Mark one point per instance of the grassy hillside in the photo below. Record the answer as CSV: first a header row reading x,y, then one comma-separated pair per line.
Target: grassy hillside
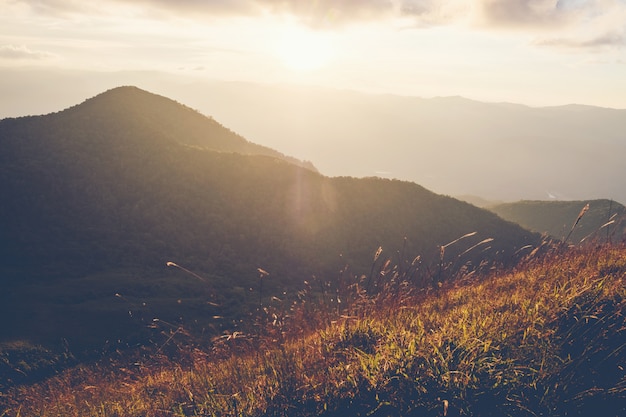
x,y
546,338
101,196
605,220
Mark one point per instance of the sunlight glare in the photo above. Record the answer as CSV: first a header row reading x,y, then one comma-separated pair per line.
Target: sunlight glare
x,y
304,50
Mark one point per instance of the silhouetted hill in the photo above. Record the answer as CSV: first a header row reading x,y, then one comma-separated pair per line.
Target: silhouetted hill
x,y
99,197
138,110
556,218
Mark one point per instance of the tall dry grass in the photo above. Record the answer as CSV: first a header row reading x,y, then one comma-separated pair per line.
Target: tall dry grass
x,y
547,338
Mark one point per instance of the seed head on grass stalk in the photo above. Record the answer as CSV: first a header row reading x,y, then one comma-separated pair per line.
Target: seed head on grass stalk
x,y
186,270
193,274
607,224
376,256
608,221
482,242
262,274
442,253
580,216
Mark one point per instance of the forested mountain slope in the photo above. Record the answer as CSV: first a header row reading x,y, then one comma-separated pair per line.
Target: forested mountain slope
x,y
99,197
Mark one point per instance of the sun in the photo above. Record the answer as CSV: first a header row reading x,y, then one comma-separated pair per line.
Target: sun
x,y
301,49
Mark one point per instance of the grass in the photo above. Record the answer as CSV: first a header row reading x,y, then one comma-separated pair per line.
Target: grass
x,y
547,338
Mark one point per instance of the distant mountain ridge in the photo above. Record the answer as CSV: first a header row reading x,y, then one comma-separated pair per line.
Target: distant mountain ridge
x,y
99,197
605,220
451,145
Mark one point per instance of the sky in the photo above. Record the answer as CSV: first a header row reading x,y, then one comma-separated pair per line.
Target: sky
x,y
534,52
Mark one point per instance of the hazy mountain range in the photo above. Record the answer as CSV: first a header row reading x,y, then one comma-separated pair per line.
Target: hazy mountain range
x,y
450,145
99,197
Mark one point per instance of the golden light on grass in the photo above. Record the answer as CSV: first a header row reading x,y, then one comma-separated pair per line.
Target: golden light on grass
x,y
499,345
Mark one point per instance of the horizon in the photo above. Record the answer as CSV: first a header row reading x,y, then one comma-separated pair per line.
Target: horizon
x,y
325,81
539,54
437,184
171,90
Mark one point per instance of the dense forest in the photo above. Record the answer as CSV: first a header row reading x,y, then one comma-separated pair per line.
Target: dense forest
x,y
101,196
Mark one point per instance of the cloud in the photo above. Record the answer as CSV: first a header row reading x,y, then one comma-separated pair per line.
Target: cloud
x,y
328,12
565,24
607,40
21,52
566,21
313,13
320,13
600,18
203,7
549,15
526,13
51,7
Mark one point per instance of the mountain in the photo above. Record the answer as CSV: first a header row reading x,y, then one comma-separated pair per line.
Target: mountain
x,y
451,145
604,220
102,196
477,200
162,117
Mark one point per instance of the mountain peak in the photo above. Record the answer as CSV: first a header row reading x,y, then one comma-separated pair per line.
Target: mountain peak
x,y
129,96
131,101
131,109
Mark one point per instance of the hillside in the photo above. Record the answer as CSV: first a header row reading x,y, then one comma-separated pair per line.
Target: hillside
x,y
545,339
160,117
101,196
446,144
556,219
